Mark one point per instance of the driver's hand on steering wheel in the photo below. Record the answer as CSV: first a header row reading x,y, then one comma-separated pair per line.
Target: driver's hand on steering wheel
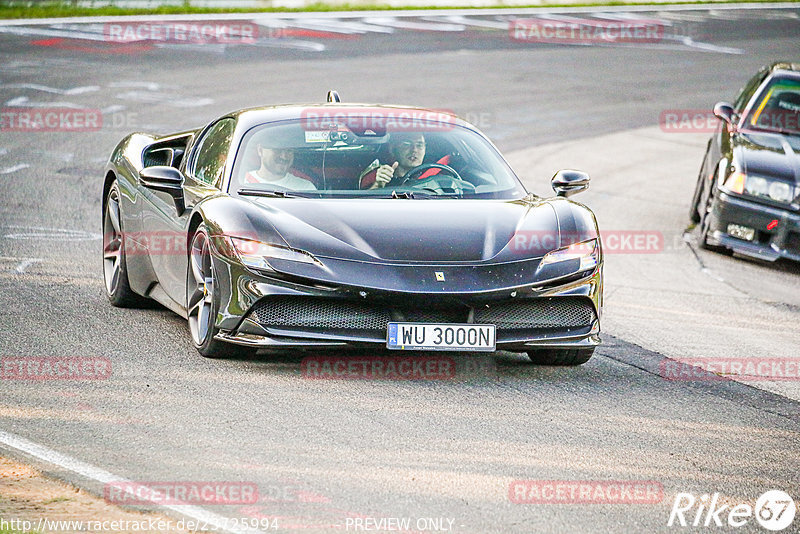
x,y
384,175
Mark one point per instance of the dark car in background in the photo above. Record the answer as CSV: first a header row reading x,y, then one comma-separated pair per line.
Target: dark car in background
x,y
455,256
747,197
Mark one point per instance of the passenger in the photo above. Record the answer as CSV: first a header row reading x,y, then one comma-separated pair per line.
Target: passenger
x,y
274,170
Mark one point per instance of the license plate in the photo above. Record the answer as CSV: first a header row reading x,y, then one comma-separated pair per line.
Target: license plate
x,y
430,336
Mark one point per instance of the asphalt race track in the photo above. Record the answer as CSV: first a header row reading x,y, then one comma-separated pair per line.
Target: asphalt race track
x,y
324,453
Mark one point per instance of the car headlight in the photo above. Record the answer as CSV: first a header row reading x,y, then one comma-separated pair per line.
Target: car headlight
x,y
256,254
588,252
755,185
781,191
758,186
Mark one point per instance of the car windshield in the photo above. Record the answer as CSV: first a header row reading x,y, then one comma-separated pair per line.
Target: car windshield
x,y
365,157
778,107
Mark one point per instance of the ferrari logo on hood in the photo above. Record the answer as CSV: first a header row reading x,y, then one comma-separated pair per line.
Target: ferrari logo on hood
x,y
439,276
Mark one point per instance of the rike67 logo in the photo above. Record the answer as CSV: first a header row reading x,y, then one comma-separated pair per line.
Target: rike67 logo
x,y
774,510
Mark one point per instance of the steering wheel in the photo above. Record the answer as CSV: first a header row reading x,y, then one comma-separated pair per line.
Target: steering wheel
x,y
456,183
420,170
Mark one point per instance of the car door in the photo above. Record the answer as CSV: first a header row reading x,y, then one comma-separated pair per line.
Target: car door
x,y
203,171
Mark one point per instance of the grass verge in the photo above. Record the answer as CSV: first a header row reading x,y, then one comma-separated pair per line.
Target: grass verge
x,y
17,10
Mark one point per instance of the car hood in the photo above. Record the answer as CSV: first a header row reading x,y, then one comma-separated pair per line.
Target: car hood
x,y
405,230
768,154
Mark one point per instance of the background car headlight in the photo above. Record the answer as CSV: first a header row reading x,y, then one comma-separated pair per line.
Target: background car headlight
x,y
256,254
755,185
588,252
758,186
781,191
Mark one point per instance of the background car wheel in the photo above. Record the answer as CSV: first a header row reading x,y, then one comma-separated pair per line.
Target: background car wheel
x,y
115,270
560,356
705,224
201,301
694,210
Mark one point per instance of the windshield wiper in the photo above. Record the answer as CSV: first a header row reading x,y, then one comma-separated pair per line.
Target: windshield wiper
x,y
421,195
275,193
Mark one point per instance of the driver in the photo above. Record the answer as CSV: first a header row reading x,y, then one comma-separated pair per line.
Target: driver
x,y
407,150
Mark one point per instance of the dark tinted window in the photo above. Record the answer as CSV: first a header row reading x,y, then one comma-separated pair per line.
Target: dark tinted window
x,y
746,93
212,152
777,108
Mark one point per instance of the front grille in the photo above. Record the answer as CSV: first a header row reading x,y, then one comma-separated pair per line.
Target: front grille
x,y
310,312
537,313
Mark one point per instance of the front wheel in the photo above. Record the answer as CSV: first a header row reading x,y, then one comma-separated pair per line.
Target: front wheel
x,y
115,268
560,356
705,238
694,209
201,301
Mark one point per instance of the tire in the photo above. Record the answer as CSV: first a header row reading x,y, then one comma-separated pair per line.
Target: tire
x,y
115,268
202,302
694,211
705,222
567,357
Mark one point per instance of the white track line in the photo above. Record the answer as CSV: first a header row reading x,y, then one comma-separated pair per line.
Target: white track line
x,y
54,90
392,22
49,234
104,477
467,21
688,41
14,168
23,265
328,25
25,102
311,46
44,32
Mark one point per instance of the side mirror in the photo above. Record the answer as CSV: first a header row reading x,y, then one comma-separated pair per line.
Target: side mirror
x,y
568,182
724,111
166,179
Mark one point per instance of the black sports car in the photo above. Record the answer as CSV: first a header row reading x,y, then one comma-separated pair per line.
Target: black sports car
x,y
331,225
747,197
